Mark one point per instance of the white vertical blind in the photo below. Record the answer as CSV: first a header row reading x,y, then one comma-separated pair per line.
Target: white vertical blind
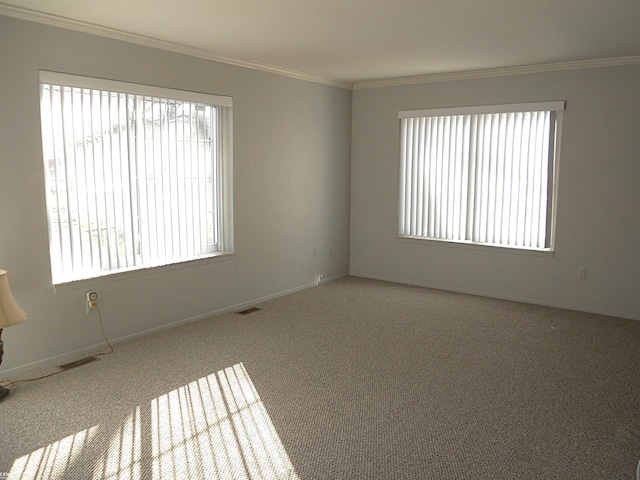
x,y
133,180
477,176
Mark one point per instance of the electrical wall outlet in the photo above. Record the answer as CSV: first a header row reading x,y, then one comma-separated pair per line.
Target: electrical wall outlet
x,y
315,251
582,273
92,301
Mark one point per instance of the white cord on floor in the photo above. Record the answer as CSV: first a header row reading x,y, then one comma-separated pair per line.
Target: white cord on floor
x,y
103,334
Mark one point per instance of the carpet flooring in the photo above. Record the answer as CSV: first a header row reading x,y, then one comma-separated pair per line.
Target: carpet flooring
x,y
354,379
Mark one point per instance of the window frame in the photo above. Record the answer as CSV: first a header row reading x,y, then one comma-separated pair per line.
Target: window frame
x,y
556,108
222,163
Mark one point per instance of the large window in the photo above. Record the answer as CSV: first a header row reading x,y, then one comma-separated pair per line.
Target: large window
x,y
480,175
136,176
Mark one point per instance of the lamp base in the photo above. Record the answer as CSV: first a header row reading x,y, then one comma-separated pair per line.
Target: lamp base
x,y
3,392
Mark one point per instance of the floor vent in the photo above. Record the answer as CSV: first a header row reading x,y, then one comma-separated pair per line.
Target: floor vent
x,y
77,363
248,310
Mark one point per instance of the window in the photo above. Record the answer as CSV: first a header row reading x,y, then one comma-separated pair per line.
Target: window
x,y
480,175
136,176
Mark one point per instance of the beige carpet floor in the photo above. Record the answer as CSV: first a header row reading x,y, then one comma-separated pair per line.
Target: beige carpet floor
x,y
354,379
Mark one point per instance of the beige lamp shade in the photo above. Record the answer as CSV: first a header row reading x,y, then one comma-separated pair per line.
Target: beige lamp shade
x,y
10,311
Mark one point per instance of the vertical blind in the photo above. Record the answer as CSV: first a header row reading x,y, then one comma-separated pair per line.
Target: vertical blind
x,y
475,176
133,179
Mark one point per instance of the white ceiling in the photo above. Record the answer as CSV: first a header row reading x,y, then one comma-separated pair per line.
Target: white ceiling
x,y
351,41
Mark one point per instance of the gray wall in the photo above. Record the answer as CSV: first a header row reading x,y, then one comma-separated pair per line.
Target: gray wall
x,y
598,221
295,188
291,193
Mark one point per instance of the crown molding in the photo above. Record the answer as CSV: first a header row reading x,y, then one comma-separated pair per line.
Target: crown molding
x,y
99,30
500,72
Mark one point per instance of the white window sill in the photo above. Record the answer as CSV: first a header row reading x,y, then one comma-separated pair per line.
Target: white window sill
x,y
548,253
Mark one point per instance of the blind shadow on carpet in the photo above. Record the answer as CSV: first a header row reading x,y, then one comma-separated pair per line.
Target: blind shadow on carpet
x,y
215,427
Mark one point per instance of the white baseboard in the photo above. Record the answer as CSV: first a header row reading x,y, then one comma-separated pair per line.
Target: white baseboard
x,y
512,298
61,359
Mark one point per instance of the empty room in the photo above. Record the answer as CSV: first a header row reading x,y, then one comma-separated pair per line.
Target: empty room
x,y
319,239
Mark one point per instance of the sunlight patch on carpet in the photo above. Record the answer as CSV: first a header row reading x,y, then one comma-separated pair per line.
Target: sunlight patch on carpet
x,y
219,425
52,461
213,428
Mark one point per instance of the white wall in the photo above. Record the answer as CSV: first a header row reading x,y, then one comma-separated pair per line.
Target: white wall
x,y
598,223
291,192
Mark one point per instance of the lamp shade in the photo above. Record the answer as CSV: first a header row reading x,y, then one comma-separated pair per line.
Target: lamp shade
x,y
10,311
